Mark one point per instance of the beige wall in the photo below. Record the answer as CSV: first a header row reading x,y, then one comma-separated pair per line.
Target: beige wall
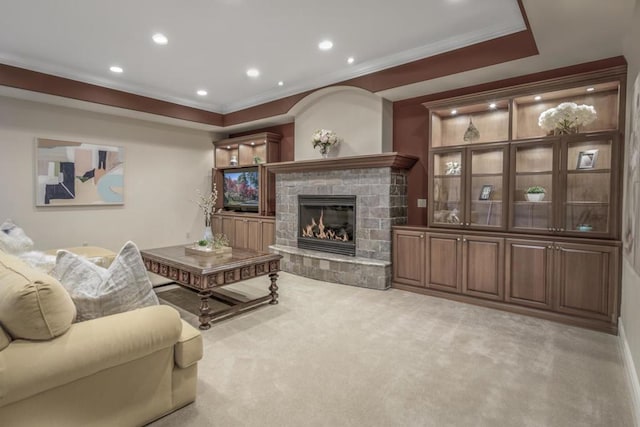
x,y
630,311
163,167
361,118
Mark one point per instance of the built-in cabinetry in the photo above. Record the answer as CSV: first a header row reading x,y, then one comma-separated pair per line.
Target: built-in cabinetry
x,y
246,231
524,211
249,230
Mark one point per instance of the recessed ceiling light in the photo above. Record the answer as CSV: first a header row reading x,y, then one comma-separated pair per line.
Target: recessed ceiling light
x,y
350,59
280,83
253,72
492,105
116,69
591,89
253,143
228,147
160,38
202,92
454,112
325,45
537,98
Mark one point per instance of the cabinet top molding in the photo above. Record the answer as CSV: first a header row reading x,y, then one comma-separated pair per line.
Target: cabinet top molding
x,y
608,74
384,160
257,138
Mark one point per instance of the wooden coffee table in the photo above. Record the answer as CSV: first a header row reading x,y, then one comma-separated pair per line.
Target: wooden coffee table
x,y
205,273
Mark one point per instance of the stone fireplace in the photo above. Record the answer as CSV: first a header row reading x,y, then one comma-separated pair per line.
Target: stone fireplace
x,y
327,223
377,186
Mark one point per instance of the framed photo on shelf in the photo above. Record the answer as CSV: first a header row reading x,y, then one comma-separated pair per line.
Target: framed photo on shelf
x,y
587,159
485,192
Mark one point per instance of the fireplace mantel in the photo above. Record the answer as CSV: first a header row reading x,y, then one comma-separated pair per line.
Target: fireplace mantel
x,y
384,160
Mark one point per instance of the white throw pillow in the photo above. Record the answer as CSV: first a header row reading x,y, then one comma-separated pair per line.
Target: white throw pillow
x,y
97,291
39,260
13,239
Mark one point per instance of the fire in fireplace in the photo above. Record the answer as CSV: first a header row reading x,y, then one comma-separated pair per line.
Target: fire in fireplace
x,y
327,223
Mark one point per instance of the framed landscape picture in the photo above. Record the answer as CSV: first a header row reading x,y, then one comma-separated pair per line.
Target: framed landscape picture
x,y
74,173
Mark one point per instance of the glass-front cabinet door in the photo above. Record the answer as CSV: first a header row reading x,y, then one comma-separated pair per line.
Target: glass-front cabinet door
x,y
533,181
486,187
447,188
586,202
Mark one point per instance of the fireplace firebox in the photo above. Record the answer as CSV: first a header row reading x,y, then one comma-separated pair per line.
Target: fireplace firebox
x,y
327,223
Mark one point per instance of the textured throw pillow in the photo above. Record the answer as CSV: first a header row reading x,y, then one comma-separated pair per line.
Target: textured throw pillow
x,y
97,291
13,239
39,260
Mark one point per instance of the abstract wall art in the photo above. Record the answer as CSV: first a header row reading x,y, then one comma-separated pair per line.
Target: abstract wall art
x,y
78,174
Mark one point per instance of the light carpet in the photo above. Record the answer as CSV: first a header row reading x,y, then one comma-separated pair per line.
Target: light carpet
x,y
335,355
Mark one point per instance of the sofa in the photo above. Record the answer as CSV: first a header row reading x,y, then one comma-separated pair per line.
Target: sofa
x,y
126,369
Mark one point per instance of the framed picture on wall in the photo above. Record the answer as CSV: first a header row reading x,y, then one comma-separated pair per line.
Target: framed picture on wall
x,y
78,174
485,192
587,159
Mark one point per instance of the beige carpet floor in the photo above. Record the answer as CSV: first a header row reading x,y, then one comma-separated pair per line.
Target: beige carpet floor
x,y
334,355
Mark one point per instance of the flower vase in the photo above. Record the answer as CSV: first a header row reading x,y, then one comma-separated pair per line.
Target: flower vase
x,y
208,234
324,151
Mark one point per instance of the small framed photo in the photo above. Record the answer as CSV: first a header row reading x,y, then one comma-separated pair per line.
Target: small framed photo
x,y
587,159
485,192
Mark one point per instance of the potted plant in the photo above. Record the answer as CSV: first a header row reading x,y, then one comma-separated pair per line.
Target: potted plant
x,y
535,193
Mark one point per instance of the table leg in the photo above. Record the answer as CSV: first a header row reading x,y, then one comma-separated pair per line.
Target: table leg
x,y
273,288
205,310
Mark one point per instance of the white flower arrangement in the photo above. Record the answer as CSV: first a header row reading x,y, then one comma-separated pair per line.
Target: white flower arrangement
x,y
566,117
324,139
207,203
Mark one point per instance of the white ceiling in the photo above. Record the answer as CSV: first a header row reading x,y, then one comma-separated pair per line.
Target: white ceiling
x,y
213,42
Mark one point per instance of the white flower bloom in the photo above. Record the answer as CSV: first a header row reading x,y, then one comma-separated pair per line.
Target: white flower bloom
x,y
324,138
566,115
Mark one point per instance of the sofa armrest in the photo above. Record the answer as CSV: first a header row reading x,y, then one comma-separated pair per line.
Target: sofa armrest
x,y
188,350
31,367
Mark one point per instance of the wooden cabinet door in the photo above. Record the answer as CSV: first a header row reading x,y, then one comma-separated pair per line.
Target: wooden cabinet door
x,y
268,234
253,234
483,267
528,272
216,224
240,233
229,230
443,266
408,257
587,277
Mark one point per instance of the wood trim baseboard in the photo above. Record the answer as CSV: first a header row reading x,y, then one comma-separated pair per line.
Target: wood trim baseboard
x,y
632,373
541,314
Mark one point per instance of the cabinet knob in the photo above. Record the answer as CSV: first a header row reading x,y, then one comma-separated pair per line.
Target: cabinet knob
x,y
549,247
468,224
562,229
464,240
422,236
458,239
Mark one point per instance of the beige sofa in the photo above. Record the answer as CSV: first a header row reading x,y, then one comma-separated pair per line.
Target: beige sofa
x,y
121,370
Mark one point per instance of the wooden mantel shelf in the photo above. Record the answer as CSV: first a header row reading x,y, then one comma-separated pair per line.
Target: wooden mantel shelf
x,y
384,160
